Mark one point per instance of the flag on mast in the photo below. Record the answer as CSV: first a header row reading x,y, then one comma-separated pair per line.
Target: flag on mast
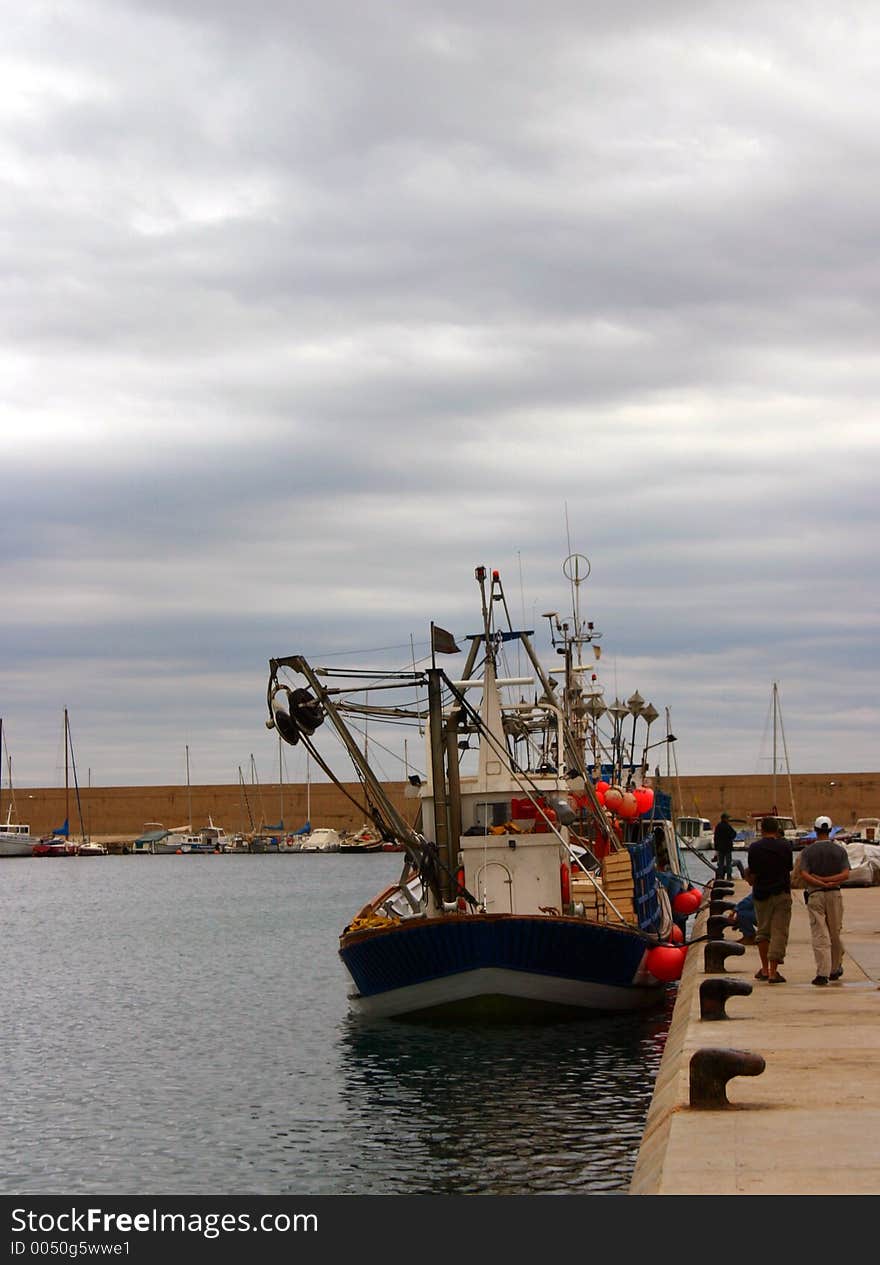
x,y
443,642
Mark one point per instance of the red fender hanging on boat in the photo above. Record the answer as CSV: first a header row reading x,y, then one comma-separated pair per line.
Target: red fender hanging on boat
x,y
665,962
687,902
565,883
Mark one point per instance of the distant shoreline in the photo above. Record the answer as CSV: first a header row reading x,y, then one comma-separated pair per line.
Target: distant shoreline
x,y
121,812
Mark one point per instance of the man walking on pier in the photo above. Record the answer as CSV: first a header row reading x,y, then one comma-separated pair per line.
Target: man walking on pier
x,y
824,866
770,862
723,840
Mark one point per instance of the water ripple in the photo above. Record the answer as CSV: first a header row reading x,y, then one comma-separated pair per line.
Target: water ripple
x,y
180,1025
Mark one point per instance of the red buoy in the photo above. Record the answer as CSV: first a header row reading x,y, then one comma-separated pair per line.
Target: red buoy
x,y
613,798
665,962
687,902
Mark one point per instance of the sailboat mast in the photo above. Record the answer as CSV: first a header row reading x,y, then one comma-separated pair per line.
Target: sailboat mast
x,y
281,781
66,772
189,791
774,748
246,801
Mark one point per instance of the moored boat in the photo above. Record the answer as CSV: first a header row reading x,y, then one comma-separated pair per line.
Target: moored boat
x,y
367,839
528,886
16,839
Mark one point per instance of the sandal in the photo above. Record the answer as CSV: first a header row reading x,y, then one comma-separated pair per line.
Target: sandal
x,y
777,979
761,975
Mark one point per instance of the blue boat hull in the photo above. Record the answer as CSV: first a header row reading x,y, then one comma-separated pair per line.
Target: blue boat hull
x,y
497,963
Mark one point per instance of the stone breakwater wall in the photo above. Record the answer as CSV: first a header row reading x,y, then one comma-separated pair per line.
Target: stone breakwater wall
x,y
123,811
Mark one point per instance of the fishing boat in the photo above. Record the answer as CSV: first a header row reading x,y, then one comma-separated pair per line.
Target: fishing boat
x,y
530,883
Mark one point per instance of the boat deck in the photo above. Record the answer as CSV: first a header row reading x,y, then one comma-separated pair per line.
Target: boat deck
x,y
809,1123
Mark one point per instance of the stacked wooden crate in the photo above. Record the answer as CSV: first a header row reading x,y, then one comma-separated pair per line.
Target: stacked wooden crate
x,y
584,892
617,880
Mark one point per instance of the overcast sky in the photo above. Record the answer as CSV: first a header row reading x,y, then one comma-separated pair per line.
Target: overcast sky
x,y
309,308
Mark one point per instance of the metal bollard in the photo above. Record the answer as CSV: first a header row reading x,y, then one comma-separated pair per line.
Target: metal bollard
x,y
715,992
715,926
723,887
715,953
711,1069
718,906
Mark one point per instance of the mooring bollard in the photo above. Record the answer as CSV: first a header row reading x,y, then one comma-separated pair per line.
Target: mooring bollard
x,y
719,906
715,992
715,925
723,887
715,953
711,1069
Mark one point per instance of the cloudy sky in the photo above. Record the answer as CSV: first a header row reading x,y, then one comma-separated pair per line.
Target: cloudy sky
x,y
309,307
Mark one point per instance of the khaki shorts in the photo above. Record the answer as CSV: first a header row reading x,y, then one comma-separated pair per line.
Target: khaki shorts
x,y
774,920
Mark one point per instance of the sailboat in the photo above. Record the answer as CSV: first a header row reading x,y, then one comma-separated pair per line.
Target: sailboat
x,y
15,836
788,825
521,890
299,840
59,843
186,841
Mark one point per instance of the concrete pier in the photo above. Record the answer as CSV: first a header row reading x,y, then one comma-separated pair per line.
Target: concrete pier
x,y
809,1121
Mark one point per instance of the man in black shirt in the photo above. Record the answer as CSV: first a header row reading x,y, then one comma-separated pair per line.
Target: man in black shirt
x,y
723,840
770,861
824,866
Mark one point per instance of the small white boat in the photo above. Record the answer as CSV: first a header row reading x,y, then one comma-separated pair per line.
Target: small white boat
x,y
324,839
210,838
697,832
89,848
16,839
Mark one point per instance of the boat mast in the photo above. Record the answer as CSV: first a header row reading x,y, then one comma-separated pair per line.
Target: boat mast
x,y
246,801
281,781
774,747
785,753
66,774
256,782
68,747
189,791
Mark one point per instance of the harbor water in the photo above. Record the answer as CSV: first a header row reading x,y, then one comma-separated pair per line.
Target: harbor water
x,y
180,1025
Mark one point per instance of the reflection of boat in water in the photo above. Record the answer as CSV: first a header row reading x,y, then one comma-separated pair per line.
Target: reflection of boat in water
x,y
494,912
447,1096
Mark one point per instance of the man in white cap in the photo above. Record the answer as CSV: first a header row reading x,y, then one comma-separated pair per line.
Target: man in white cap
x,y
824,866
